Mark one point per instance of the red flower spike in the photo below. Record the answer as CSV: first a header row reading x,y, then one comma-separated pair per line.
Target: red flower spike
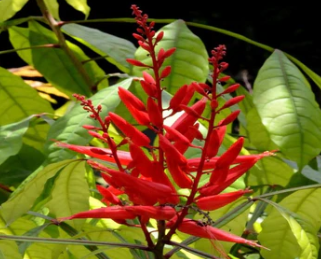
x,y
150,89
108,196
231,153
187,120
178,98
180,178
114,212
141,161
141,117
230,89
198,229
171,151
217,201
233,174
139,191
190,134
189,94
159,212
229,118
224,162
166,71
136,63
100,153
130,99
214,144
154,113
174,135
231,102
159,176
139,138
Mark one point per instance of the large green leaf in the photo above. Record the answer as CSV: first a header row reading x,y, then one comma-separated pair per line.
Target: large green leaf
x,y
24,197
9,250
19,38
10,7
294,234
270,171
22,226
287,108
70,193
189,62
11,138
116,49
69,127
64,74
18,100
80,5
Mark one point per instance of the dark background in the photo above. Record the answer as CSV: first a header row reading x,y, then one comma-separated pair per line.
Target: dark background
x,y
291,28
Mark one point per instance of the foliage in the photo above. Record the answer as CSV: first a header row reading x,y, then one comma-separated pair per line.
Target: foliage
x,y
156,139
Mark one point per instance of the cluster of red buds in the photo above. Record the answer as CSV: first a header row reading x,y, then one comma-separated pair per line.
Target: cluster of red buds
x,y
145,183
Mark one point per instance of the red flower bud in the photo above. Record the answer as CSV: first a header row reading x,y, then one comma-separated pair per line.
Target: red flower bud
x,y
217,201
154,113
232,101
198,229
136,63
139,138
229,118
166,71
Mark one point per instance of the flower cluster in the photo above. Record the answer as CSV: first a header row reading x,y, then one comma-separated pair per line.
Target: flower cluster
x,y
144,185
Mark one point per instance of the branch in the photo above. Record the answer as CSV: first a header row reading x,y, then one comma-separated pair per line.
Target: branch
x,y
55,26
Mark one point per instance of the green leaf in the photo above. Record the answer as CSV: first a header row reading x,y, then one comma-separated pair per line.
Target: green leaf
x,y
10,7
9,250
24,197
270,171
80,5
36,134
189,62
294,234
23,246
22,226
18,100
19,38
64,75
53,8
11,138
116,49
69,127
287,109
70,193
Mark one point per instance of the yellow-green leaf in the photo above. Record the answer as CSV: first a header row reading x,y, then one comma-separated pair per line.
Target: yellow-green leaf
x,y
288,109
9,8
80,5
70,193
27,193
291,230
